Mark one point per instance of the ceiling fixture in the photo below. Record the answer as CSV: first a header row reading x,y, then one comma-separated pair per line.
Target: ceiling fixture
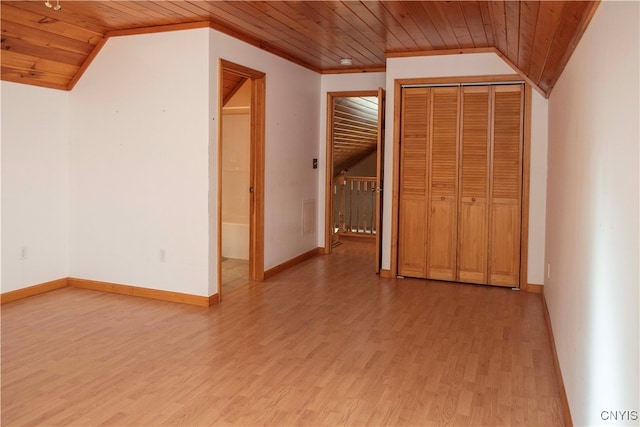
x,y
50,6
346,61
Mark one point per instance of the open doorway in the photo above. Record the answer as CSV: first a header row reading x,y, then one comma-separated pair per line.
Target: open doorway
x,y
236,175
240,176
355,130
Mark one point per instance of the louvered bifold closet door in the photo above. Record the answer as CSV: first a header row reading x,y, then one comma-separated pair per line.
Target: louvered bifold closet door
x,y
506,186
443,184
473,214
413,201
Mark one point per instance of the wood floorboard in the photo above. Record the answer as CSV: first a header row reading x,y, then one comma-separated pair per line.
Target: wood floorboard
x,y
326,342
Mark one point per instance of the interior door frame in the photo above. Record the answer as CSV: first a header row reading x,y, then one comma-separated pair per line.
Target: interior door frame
x,y
256,168
380,176
526,160
328,213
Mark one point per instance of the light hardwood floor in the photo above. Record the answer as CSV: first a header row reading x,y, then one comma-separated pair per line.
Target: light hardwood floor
x,y
326,342
235,272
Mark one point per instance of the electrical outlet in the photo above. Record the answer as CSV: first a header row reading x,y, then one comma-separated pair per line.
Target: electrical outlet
x,y
163,255
548,271
24,253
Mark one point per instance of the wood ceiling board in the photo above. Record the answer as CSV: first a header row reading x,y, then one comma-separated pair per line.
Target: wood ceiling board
x,y
425,25
318,28
361,105
434,11
385,30
354,44
156,11
187,8
371,31
348,117
512,21
352,145
101,13
358,135
452,11
242,21
43,52
74,13
572,14
354,126
398,18
535,37
350,121
275,29
53,41
400,39
548,21
472,14
590,10
348,113
173,11
499,24
298,30
227,23
120,15
43,22
40,50
34,78
486,21
231,83
267,33
528,19
355,130
24,62
352,141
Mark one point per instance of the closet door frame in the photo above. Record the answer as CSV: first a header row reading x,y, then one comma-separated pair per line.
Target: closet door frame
x,y
526,159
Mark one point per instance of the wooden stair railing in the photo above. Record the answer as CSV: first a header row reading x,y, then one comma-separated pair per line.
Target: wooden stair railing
x,y
354,202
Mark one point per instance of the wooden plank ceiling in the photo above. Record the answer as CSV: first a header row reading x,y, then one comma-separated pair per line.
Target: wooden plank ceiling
x,y
45,47
355,130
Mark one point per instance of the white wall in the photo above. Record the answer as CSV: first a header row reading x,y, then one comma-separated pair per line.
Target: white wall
x,y
292,126
592,217
337,83
139,173
142,161
480,64
538,187
34,185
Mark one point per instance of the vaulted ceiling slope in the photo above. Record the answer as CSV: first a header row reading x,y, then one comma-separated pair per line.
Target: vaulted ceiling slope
x,y
355,130
45,47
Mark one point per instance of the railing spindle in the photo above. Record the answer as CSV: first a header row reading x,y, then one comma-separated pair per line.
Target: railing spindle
x,y
350,206
372,203
364,206
358,183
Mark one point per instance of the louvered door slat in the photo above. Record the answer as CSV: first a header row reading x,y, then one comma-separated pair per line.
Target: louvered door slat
x,y
413,201
506,186
443,184
474,186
